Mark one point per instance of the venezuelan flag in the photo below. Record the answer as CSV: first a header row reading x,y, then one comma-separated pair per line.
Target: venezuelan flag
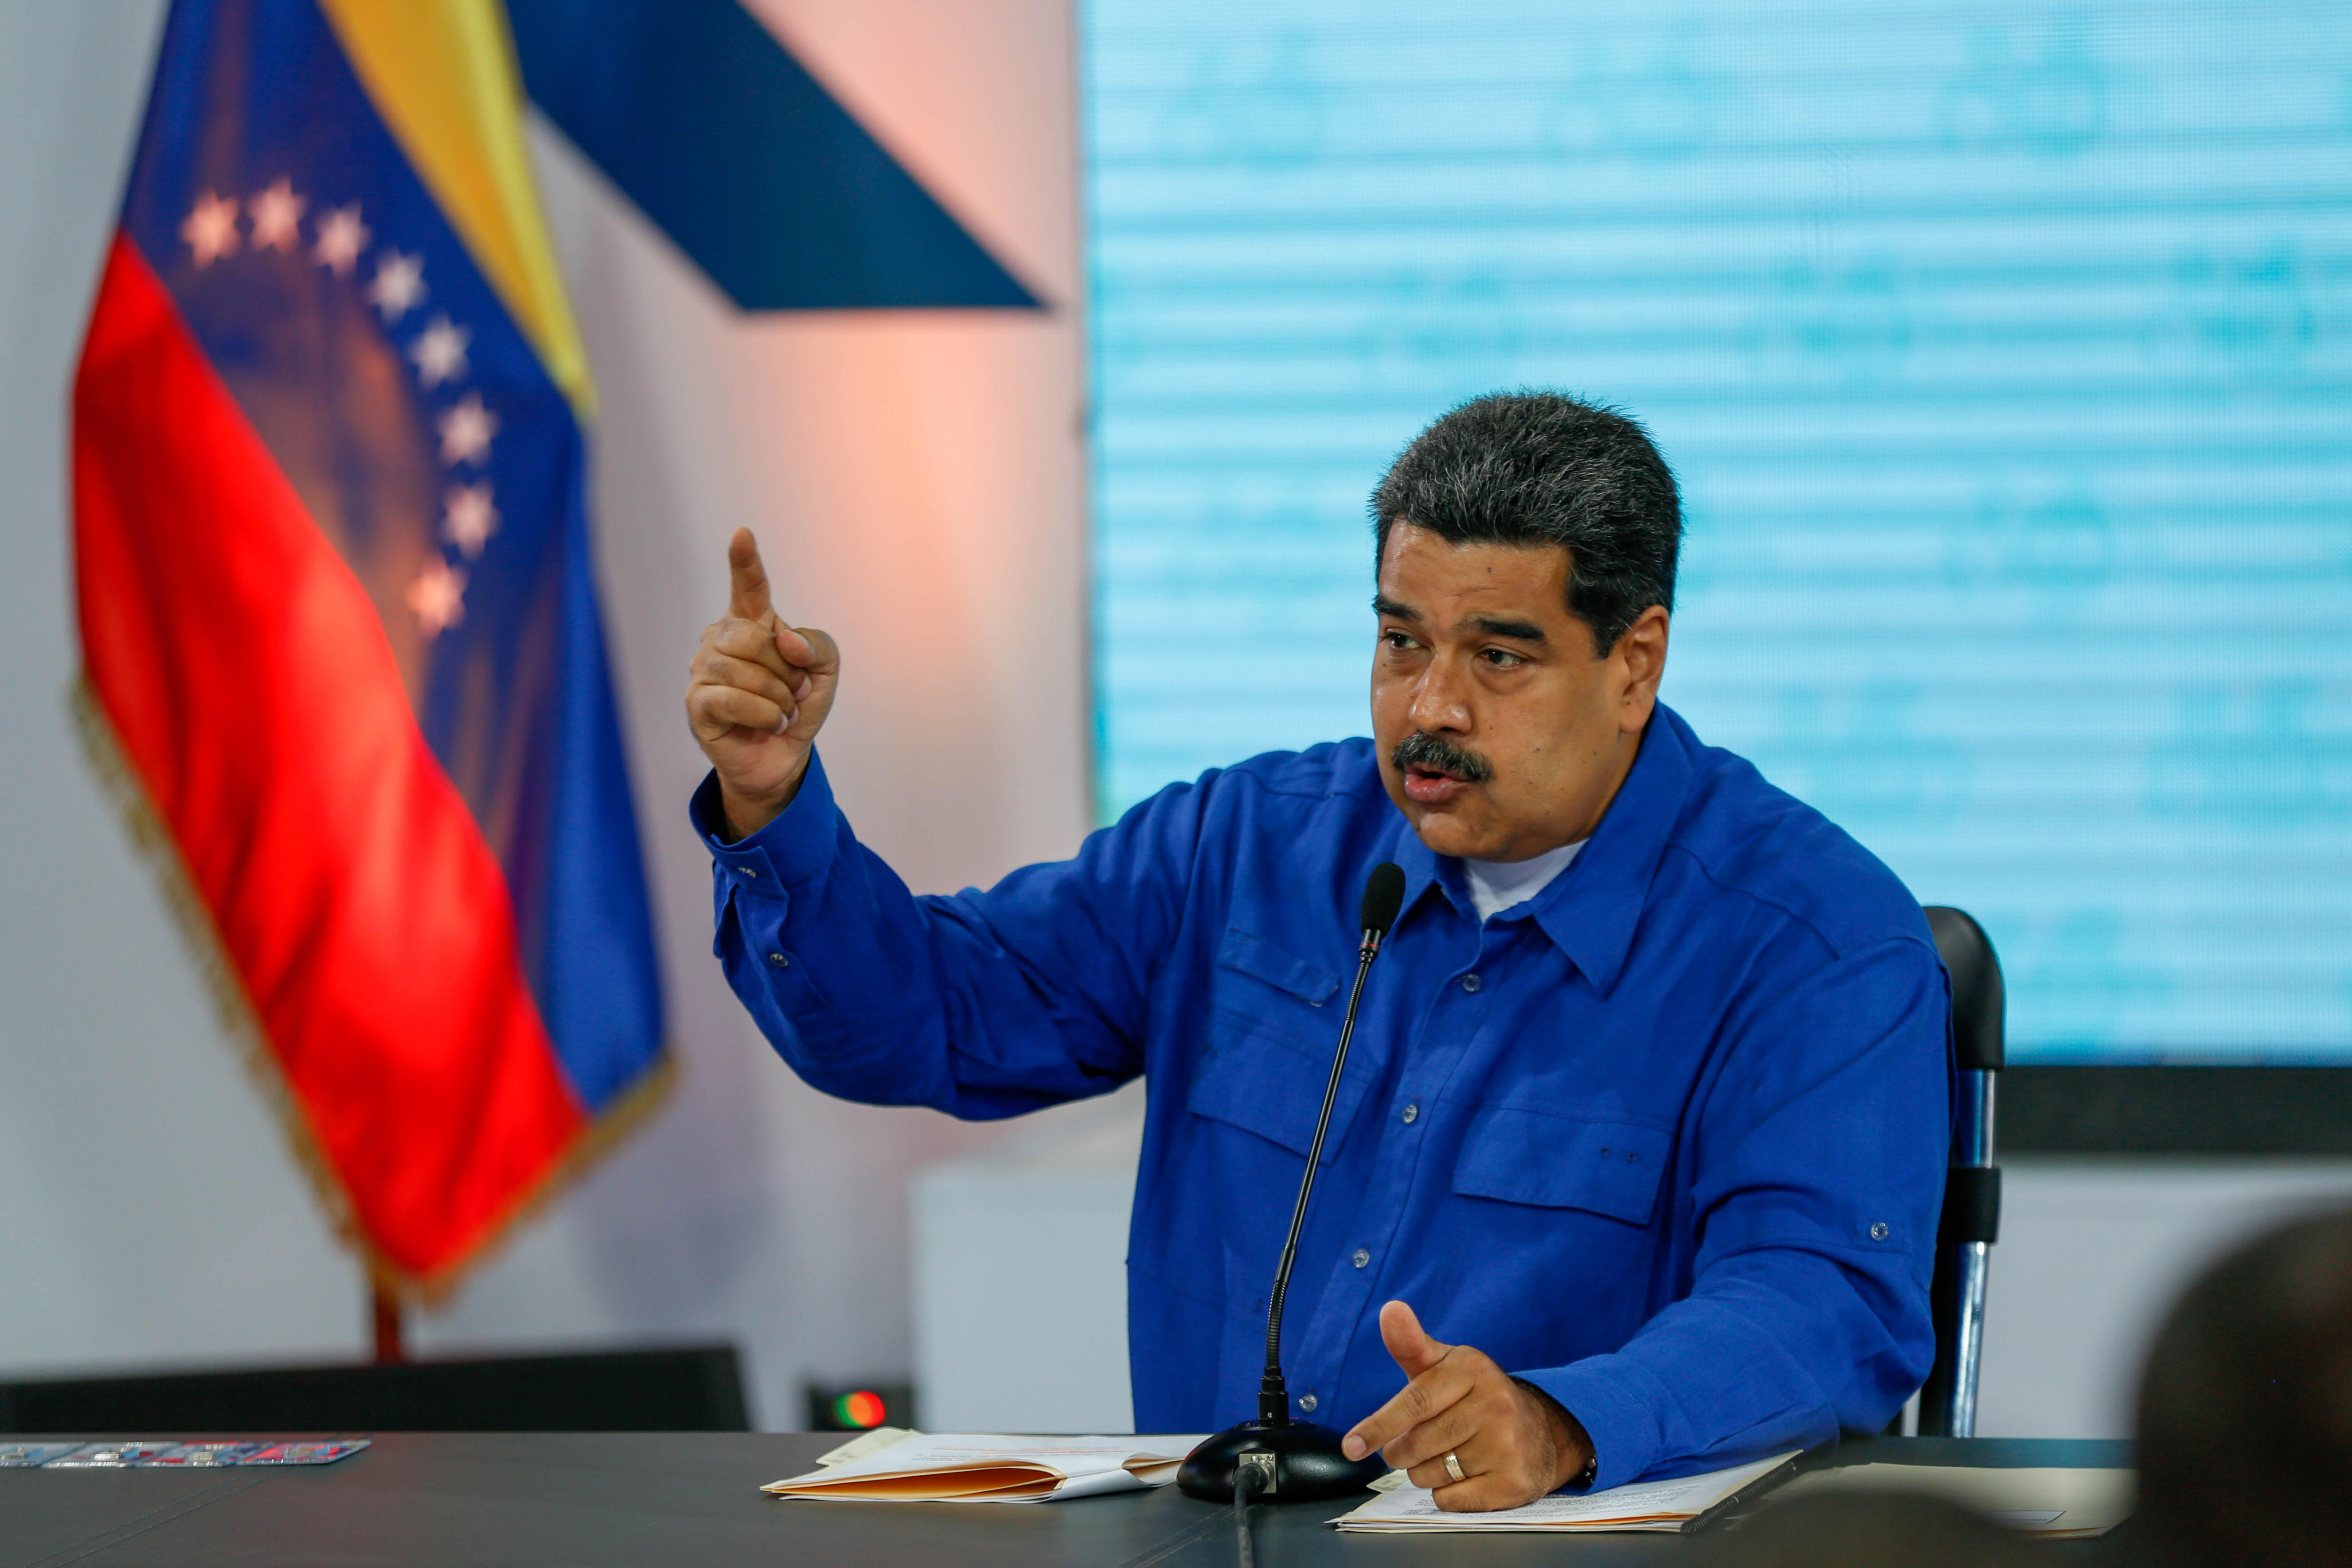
x,y
340,628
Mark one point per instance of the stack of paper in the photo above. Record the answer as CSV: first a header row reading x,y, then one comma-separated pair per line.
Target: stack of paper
x,y
933,1468
1645,1505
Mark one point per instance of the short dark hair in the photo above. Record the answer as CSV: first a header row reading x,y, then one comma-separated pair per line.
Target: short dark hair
x,y
1541,468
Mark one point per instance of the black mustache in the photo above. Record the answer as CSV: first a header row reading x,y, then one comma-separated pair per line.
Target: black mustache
x,y
1422,750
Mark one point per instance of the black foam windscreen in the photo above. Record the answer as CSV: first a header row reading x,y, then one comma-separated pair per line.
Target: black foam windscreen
x,y
1383,897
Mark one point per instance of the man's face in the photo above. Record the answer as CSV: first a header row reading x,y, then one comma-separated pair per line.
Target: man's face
x,y
1500,734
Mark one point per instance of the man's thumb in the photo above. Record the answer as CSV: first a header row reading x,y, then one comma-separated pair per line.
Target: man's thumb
x,y
1401,1331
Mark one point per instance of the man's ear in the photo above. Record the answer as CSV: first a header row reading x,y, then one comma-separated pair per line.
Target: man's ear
x,y
1636,665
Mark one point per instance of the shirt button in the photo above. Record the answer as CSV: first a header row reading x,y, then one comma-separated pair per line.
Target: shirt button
x,y
1878,1231
1361,1257
746,871
780,961
1410,1112
1307,1401
1469,983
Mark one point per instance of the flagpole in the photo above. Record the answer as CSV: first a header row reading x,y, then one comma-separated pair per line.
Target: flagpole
x,y
391,1340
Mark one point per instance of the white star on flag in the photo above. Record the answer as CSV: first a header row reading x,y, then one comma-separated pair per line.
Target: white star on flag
x,y
465,431
277,217
399,284
438,597
471,519
342,237
439,351
211,228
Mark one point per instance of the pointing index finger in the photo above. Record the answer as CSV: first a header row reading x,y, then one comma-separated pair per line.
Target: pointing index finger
x,y
747,578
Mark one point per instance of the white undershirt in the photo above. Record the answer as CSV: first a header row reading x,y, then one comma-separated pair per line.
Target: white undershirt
x,y
1499,885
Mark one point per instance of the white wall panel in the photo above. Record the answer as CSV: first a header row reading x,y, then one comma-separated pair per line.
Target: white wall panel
x,y
2093,1252
1020,1282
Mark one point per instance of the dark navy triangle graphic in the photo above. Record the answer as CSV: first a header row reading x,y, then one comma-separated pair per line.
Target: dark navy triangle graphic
x,y
704,119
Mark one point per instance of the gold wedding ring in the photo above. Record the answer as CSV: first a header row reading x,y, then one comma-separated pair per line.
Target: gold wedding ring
x,y
1454,1468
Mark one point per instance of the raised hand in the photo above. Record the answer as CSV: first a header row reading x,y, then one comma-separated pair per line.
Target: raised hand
x,y
1513,1443
757,693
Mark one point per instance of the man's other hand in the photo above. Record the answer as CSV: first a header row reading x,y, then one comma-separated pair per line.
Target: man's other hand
x,y
1513,1443
756,695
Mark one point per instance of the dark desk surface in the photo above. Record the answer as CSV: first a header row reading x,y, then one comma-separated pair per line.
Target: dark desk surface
x,y
590,1499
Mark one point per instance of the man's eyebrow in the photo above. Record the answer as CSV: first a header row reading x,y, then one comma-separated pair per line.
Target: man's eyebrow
x,y
1517,631
1394,609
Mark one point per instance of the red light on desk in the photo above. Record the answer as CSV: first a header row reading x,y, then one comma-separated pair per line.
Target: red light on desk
x,y
863,1408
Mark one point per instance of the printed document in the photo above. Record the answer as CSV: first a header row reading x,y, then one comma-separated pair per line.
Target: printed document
x,y
1644,1505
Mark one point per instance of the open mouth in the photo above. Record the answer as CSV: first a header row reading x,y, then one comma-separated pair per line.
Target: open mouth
x,y
1433,786
1435,770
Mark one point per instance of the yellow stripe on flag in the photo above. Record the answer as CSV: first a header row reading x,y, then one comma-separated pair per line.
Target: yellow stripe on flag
x,y
443,75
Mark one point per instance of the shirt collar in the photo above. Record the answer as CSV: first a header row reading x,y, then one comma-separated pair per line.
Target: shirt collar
x,y
1590,910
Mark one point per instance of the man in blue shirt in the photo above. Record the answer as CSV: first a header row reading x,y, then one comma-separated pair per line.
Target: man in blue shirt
x,y
1635,1167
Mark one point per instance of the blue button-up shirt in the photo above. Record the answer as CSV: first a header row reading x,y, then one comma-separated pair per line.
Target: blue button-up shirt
x,y
1667,1139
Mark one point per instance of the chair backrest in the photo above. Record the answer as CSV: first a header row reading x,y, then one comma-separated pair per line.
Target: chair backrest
x,y
1971,1223
1979,1003
694,1390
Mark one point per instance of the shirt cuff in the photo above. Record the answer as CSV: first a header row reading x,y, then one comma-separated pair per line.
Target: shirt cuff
x,y
793,848
1622,1425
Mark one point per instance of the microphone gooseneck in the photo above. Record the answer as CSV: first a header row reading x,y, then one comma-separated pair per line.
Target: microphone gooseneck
x,y
1384,900
1274,1458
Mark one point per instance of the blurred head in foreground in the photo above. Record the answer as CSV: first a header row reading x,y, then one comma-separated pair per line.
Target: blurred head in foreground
x,y
1866,1532
2245,1407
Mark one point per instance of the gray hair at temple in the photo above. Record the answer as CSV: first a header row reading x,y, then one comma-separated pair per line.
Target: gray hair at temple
x,y
1541,468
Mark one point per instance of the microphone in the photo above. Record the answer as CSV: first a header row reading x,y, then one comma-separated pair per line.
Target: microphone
x,y
1275,1457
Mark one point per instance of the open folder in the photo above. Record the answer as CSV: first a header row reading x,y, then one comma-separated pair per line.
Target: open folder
x,y
967,1468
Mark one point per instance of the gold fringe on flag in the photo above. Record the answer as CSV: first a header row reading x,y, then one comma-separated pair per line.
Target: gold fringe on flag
x,y
242,1024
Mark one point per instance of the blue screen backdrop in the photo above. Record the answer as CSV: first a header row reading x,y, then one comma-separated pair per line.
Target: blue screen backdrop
x,y
2004,353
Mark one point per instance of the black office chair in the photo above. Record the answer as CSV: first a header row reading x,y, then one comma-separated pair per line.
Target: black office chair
x,y
1971,1217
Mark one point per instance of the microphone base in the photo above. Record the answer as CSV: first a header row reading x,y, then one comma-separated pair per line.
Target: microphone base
x,y
1308,1464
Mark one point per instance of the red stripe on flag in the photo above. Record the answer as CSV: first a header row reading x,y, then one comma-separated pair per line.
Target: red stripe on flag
x,y
255,695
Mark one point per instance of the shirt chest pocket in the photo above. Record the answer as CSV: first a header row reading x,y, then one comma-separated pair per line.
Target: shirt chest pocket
x,y
1273,1028
1558,1159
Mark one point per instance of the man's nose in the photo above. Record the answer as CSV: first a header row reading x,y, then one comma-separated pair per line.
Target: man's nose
x,y
1441,702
